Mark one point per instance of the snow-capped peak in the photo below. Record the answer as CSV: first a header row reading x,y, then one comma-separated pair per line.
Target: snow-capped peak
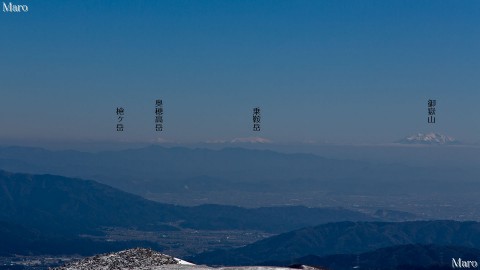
x,y
251,140
429,138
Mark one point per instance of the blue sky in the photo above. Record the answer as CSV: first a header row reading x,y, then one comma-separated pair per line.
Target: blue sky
x,y
336,71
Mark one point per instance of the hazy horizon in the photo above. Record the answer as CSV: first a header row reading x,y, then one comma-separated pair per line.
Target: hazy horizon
x,y
327,72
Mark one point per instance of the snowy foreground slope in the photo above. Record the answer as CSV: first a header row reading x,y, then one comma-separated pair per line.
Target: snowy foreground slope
x,y
147,259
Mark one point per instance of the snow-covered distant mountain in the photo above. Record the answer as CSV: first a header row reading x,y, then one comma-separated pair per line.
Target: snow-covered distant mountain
x,y
147,259
251,140
429,138
243,140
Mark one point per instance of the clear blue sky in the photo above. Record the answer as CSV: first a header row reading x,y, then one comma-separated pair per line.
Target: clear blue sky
x,y
337,71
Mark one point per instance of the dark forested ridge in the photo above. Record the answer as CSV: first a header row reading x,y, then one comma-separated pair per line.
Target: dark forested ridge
x,y
55,206
347,238
396,257
55,202
19,240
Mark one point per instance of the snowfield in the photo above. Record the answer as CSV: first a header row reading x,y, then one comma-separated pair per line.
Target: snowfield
x,y
147,259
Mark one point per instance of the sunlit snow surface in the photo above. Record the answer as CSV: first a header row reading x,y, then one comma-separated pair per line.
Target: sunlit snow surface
x,y
176,267
203,267
147,259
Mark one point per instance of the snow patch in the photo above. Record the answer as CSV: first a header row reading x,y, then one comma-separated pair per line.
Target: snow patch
x,y
429,138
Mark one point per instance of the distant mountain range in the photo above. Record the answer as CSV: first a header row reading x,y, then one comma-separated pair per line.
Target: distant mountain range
x,y
346,238
159,168
155,170
429,139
